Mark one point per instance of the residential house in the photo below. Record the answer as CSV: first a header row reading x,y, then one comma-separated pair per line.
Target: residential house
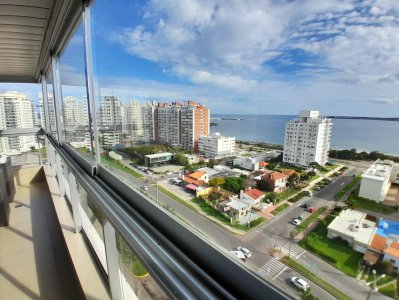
x,y
353,227
275,181
233,209
252,196
199,175
391,253
375,250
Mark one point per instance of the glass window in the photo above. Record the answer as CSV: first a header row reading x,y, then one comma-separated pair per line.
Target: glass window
x,y
137,280
76,127
51,104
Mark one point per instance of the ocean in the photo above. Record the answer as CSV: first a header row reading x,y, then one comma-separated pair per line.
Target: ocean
x,y
363,135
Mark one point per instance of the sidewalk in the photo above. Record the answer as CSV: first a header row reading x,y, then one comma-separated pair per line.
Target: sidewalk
x,y
348,285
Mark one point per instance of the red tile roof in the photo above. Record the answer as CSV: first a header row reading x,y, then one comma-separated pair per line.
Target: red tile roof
x,y
254,193
378,243
193,181
393,249
274,176
197,175
263,164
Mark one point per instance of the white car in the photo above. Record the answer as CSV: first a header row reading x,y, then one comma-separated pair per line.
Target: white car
x,y
144,187
296,222
246,252
239,255
300,283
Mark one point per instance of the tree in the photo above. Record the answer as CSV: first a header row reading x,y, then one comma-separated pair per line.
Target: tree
x,y
272,197
234,184
262,185
212,162
218,181
293,180
181,159
384,267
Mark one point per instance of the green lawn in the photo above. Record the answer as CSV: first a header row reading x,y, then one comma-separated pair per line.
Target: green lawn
x,y
298,197
210,211
279,209
284,195
316,279
337,253
106,160
304,225
177,198
362,203
348,187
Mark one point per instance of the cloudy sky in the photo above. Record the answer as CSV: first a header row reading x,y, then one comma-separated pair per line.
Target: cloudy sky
x,y
254,57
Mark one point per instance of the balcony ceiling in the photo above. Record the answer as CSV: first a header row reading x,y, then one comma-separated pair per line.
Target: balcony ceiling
x,y
29,30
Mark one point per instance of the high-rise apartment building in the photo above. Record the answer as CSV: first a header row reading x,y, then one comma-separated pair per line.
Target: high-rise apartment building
x,y
177,124
194,123
132,120
75,111
16,111
149,116
168,123
307,139
111,113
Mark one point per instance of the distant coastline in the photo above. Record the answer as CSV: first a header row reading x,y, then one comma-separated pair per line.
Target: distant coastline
x,y
363,118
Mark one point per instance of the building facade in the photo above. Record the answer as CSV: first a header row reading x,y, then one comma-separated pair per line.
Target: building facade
x,y
377,179
132,120
16,111
216,145
111,113
168,124
307,139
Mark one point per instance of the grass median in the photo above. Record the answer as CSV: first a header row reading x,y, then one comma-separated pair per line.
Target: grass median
x,y
347,187
279,209
106,160
305,224
316,279
177,198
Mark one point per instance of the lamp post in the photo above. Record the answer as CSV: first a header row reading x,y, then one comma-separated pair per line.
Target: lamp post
x,y
373,284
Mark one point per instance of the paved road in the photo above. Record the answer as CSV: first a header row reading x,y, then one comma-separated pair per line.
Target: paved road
x,y
274,232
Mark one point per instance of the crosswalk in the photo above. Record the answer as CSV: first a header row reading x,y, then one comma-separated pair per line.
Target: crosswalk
x,y
295,251
272,268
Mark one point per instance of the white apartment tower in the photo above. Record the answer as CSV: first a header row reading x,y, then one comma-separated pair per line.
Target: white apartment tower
x,y
16,111
216,145
307,139
75,111
132,120
111,113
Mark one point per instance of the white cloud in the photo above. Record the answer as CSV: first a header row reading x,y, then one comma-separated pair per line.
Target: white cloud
x,y
226,48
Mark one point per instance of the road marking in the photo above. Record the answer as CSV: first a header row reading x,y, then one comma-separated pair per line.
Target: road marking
x,y
273,268
296,251
342,183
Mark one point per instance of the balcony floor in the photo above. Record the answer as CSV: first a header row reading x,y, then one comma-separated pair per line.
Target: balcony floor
x,y
34,262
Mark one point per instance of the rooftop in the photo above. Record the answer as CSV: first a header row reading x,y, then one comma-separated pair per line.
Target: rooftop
x,y
378,243
254,193
354,224
157,155
197,175
388,228
238,205
380,170
393,249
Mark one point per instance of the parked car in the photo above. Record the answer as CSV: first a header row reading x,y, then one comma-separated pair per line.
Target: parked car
x,y
300,283
306,205
246,252
144,187
311,209
239,255
296,222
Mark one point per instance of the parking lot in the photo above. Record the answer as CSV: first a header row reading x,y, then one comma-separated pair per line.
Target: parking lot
x,y
175,189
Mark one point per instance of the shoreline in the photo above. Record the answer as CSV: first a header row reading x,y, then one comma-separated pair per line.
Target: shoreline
x,y
281,147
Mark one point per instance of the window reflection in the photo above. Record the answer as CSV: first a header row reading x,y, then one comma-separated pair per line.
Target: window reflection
x,y
76,128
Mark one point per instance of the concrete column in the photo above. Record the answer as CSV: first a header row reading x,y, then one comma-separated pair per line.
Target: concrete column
x,y
112,255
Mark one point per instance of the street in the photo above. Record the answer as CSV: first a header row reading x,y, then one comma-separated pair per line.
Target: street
x,y
274,232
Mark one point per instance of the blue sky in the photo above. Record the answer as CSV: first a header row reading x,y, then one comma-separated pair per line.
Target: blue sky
x,y
271,57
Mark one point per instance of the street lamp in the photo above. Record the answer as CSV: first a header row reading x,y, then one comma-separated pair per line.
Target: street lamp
x,y
373,284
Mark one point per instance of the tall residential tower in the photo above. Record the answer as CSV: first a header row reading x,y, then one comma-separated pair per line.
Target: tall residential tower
x,y
307,139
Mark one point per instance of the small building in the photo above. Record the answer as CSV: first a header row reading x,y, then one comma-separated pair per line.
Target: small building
x,y
353,227
276,181
234,209
252,196
199,175
252,162
191,158
157,159
391,253
216,146
377,179
375,250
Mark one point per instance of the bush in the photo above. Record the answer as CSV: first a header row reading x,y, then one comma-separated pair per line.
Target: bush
x,y
384,267
298,197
